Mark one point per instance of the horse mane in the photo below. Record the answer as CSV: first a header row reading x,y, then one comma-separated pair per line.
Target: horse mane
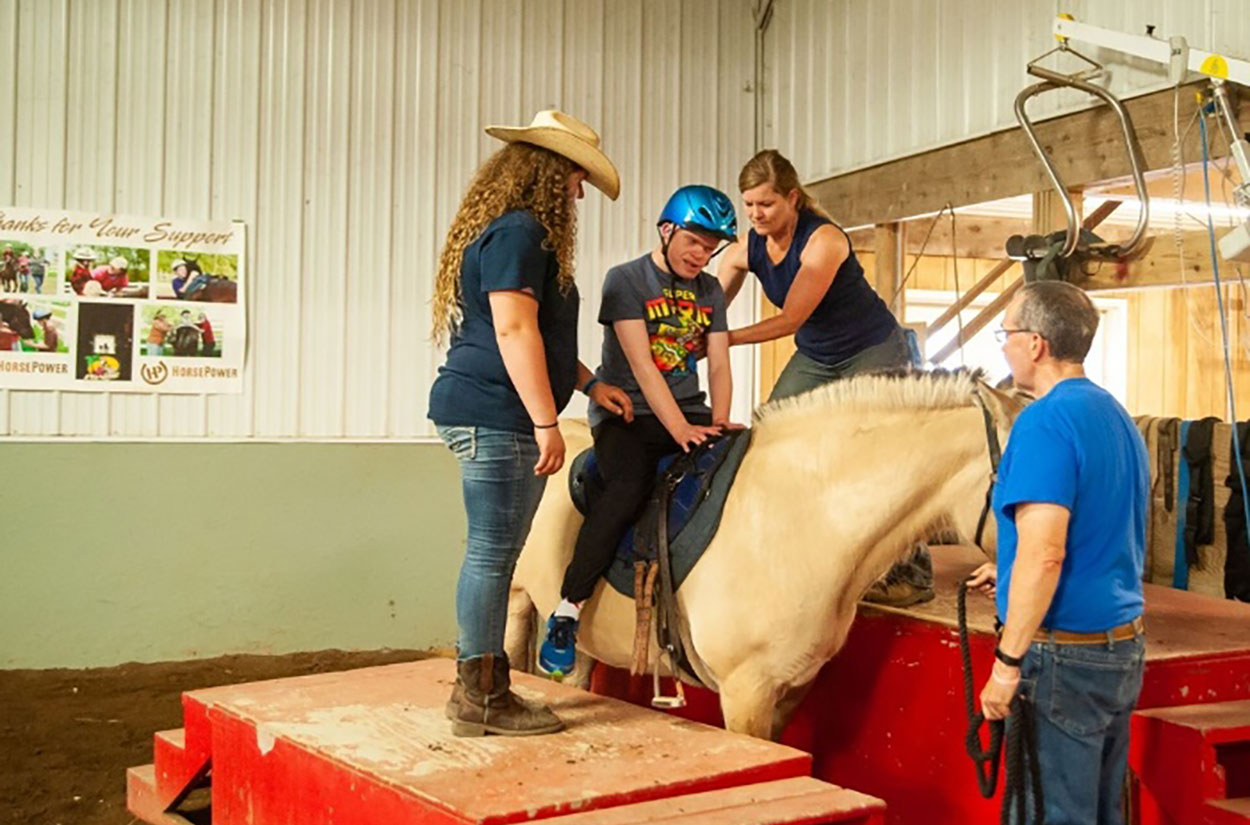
x,y
877,392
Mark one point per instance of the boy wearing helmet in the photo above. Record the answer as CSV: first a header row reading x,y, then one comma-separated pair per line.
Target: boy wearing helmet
x,y
661,313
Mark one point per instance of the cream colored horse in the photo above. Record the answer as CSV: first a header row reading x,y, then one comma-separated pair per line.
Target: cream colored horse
x,y
837,485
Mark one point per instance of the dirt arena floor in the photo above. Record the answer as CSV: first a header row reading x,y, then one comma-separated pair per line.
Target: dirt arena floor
x,y
67,736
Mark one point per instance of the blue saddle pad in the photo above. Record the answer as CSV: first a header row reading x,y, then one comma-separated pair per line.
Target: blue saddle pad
x,y
694,513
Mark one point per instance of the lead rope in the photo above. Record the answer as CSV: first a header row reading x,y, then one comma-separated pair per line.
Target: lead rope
x,y
1022,764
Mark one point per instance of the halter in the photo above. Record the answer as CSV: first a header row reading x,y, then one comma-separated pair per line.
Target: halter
x,y
996,454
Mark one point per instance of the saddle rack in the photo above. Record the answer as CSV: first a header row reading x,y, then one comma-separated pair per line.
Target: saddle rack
x,y
1062,254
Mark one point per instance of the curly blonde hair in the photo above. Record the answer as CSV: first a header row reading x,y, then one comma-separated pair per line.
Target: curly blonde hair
x,y
518,176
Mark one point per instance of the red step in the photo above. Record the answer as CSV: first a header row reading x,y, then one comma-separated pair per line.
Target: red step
x,y
143,800
372,745
1228,811
798,801
1192,762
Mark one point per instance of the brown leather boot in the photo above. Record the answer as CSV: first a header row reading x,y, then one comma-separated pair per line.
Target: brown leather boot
x,y
486,705
457,695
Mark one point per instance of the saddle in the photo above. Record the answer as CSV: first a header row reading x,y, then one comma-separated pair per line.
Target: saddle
x,y
675,527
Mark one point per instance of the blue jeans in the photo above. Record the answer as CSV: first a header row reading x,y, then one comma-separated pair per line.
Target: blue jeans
x,y
1084,695
501,495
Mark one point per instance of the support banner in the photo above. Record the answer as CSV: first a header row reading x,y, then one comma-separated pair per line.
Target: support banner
x,y
98,302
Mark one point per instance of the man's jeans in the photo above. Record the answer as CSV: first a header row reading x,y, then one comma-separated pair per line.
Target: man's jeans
x,y
501,495
1084,695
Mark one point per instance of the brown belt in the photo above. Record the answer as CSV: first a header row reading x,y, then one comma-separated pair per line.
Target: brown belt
x,y
1119,633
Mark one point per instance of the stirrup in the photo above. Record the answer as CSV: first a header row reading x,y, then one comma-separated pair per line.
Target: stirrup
x,y
658,699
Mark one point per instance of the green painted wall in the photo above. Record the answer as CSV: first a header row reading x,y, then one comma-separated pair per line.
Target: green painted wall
x,y
149,552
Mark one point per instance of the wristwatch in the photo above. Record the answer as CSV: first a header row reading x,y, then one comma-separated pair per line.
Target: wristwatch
x,y
1012,661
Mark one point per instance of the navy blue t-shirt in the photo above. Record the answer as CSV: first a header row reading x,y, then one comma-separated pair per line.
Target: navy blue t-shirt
x,y
849,319
473,388
1077,447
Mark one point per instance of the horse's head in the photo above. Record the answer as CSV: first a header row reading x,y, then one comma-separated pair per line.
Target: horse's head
x,y
973,519
17,317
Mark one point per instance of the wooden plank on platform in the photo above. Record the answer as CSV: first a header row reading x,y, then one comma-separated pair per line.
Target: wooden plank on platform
x,y
798,800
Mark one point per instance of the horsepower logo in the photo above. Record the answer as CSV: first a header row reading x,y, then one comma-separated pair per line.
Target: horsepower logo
x,y
154,373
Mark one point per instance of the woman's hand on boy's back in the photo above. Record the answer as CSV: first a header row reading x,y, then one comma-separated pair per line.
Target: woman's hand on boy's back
x,y
613,399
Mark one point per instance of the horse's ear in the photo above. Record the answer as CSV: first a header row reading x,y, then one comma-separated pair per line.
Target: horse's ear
x,y
1004,406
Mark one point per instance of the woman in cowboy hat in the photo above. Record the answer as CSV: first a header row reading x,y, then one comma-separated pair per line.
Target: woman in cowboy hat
x,y
83,257
505,296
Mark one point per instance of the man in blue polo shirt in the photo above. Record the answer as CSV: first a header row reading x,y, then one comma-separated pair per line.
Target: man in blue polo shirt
x,y
1071,507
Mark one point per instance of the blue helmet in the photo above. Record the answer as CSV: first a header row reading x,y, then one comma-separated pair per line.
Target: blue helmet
x,y
704,209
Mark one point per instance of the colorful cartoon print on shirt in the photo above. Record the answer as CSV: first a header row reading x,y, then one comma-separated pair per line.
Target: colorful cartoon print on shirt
x,y
680,330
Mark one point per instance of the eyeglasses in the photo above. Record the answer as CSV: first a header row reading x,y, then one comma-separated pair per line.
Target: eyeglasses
x,y
1002,334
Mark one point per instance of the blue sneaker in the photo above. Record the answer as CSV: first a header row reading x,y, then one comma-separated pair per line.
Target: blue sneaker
x,y
558,653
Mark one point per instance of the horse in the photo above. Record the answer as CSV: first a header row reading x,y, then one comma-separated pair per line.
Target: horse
x,y
218,290
8,274
16,315
838,484
186,340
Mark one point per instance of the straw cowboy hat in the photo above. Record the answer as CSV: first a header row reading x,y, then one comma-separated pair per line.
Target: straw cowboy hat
x,y
566,135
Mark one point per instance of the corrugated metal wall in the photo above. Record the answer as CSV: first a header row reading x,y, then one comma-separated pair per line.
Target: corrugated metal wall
x,y
856,82
343,133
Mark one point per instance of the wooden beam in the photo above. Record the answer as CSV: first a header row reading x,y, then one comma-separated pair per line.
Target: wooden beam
x,y
1100,214
1049,214
978,323
998,304
1086,147
968,297
976,236
1160,267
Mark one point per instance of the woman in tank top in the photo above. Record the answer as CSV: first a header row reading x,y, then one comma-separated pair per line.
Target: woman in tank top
x,y
841,327
806,268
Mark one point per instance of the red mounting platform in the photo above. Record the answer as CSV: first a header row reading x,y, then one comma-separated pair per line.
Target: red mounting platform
x,y
372,745
887,714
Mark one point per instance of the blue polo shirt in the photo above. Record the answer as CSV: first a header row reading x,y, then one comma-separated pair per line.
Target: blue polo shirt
x,y
1078,448
473,388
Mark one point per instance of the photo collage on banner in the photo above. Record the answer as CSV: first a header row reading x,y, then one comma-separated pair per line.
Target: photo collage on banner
x,y
103,302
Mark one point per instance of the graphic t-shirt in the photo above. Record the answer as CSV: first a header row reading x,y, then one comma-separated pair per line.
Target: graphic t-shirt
x,y
679,314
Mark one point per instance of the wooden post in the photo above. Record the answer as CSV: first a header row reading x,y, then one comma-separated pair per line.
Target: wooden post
x,y
888,265
1048,212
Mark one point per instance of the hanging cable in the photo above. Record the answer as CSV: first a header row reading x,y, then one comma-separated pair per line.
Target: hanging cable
x,y
1219,297
959,316
923,245
1178,195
